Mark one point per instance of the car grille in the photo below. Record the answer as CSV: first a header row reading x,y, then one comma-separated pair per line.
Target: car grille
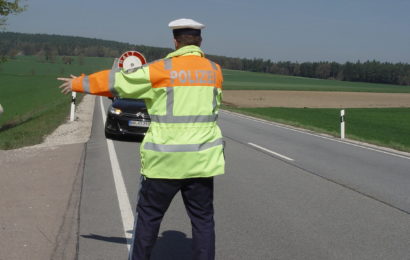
x,y
137,116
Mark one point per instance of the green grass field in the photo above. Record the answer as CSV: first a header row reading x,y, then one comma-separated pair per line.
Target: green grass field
x,y
389,127
244,80
33,105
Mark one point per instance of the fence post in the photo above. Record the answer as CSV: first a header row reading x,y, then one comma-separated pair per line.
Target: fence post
x,y
342,124
72,114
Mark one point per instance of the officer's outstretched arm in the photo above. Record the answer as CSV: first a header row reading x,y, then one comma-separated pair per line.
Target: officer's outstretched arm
x,y
111,83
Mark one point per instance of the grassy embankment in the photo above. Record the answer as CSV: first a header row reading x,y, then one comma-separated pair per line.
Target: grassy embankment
x,y
33,105
388,127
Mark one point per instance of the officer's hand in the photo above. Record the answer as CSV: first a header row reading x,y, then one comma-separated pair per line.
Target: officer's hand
x,y
66,86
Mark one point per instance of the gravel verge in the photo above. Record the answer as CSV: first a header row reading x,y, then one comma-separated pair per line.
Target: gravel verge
x,y
74,132
77,131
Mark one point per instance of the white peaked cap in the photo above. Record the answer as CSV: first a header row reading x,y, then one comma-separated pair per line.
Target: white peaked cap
x,y
185,23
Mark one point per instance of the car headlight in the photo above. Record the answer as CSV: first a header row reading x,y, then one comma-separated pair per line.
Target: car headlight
x,y
115,111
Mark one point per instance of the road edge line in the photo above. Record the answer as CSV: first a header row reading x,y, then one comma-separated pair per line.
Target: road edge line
x,y
127,215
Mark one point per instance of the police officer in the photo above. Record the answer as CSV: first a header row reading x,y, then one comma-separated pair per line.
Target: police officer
x,y
183,148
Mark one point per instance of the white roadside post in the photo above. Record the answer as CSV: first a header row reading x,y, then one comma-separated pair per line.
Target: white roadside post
x,y
72,114
342,124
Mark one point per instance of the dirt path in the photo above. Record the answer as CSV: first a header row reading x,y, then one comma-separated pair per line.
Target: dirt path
x,y
314,99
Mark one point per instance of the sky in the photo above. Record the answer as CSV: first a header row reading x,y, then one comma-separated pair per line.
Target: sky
x,y
292,30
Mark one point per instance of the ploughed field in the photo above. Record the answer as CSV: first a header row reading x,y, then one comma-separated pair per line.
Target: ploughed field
x,y
314,99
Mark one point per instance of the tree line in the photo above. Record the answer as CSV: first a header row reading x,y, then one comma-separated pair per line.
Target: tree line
x,y
12,44
50,46
368,71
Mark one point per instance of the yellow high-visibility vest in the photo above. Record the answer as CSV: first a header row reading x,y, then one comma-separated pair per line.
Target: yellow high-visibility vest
x,y
183,93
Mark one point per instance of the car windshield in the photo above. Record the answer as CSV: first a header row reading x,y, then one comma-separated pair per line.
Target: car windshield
x,y
129,101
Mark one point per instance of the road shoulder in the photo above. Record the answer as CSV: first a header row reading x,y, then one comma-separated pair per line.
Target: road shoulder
x,y
40,191
41,197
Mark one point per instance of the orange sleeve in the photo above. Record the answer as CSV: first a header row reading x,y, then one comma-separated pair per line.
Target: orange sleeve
x,y
99,83
77,84
220,79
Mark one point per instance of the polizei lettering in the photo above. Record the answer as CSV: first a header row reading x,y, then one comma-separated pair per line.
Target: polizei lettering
x,y
193,77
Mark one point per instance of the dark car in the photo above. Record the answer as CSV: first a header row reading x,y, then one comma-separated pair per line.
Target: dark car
x,y
127,119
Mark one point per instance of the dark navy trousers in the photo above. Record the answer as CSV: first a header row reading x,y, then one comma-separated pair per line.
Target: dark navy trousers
x,y
156,195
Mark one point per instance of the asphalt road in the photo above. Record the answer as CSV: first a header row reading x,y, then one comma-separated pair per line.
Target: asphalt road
x,y
287,194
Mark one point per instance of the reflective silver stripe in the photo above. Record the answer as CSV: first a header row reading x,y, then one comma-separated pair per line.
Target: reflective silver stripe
x,y
170,148
111,82
86,84
167,64
213,64
184,119
214,103
129,71
170,101
115,64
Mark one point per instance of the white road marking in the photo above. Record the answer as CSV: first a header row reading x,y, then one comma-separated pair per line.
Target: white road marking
x,y
122,195
316,135
272,152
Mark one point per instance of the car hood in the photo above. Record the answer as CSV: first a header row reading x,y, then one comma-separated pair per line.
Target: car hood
x,y
130,105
